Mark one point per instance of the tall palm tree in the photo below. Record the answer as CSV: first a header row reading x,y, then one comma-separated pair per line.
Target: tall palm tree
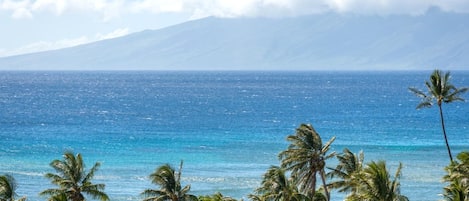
x,y
306,157
170,186
276,186
440,90
8,188
347,170
458,176
376,185
72,180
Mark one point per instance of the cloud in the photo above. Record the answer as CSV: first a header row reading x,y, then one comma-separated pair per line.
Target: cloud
x,y
157,6
44,46
19,9
386,7
63,43
21,13
280,8
110,9
29,8
116,33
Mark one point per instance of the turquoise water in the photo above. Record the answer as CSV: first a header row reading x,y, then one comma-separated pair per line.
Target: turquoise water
x,y
228,127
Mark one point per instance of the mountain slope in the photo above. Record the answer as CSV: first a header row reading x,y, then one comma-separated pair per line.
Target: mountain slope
x,y
324,42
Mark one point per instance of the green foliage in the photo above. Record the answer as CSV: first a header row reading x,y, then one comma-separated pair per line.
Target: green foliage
x,y
306,157
458,178
170,186
439,90
8,188
72,180
346,172
216,197
375,184
276,186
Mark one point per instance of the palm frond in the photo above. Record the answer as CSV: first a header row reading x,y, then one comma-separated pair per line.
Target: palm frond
x,y
439,90
7,187
418,92
51,192
72,179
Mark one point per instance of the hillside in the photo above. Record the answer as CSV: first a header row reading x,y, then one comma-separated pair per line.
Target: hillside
x,y
316,42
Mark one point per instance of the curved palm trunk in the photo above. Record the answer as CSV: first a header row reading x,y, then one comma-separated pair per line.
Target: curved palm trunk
x,y
323,177
313,189
444,133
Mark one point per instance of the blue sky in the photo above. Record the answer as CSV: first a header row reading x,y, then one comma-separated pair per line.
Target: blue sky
x,y
37,25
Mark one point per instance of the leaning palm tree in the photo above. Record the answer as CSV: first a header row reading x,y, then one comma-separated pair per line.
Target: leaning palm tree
x,y
458,178
276,186
170,186
440,90
8,188
346,171
375,184
306,157
72,180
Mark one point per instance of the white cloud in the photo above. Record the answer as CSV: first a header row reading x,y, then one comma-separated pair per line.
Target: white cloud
x,y
28,8
64,43
44,46
19,9
21,13
279,8
157,6
110,9
116,33
385,7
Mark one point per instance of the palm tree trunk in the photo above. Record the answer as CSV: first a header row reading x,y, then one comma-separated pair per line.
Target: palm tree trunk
x,y
323,177
313,189
444,133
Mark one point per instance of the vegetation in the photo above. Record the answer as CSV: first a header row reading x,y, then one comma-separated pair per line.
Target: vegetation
x,y
374,184
8,189
370,183
306,157
216,197
347,172
72,180
170,186
458,178
277,186
439,90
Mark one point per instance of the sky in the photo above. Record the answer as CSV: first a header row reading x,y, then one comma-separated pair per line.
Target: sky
x,y
28,26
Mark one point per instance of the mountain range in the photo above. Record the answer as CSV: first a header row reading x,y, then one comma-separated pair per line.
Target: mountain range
x,y
329,41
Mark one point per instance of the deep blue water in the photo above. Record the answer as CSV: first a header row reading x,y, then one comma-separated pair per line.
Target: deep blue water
x,y
228,127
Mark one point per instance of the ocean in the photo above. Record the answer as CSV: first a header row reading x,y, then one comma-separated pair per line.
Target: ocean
x,y
227,127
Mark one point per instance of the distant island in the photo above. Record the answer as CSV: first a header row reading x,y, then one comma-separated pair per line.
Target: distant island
x,y
328,41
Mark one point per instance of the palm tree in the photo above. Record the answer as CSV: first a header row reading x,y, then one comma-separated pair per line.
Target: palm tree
x,y
8,188
347,170
458,176
276,186
442,91
73,180
306,157
170,183
375,184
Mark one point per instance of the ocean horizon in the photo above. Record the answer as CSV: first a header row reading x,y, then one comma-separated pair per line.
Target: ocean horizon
x,y
228,127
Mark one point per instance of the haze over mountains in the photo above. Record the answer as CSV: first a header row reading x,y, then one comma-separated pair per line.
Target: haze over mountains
x,y
317,42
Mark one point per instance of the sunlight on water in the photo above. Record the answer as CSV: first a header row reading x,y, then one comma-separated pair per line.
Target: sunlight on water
x,y
228,127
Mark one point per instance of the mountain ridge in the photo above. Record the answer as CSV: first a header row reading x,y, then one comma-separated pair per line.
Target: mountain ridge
x,y
315,42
